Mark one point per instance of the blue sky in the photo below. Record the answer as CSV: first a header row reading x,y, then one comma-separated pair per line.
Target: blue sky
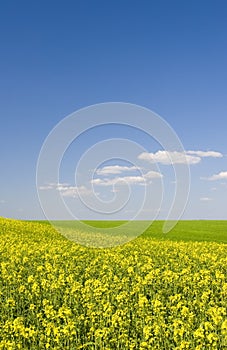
x,y
58,57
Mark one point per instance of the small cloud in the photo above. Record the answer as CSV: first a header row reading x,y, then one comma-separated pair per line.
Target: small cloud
x,y
115,169
205,199
53,185
74,191
202,154
66,190
168,157
175,157
153,175
118,180
2,201
220,176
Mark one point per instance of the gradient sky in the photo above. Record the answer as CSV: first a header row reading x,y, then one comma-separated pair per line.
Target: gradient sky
x,y
57,57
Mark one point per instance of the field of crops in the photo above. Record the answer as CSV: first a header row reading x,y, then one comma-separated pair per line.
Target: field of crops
x,y
151,293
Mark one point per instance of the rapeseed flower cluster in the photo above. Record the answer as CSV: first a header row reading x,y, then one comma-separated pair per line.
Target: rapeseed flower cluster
x,y
147,294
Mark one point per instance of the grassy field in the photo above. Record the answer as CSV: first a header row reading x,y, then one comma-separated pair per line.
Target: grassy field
x,y
159,291
191,230
203,230
92,233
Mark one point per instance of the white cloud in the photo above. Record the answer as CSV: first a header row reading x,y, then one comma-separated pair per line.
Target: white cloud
x,y
2,201
205,199
221,176
153,175
74,191
175,157
131,180
118,180
66,190
101,182
202,154
53,185
114,169
168,157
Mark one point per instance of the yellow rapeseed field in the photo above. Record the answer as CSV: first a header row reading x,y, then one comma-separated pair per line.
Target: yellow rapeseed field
x,y
147,294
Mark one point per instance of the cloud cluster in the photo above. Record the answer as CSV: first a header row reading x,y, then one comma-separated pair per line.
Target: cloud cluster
x,y
131,180
66,189
175,157
114,169
106,176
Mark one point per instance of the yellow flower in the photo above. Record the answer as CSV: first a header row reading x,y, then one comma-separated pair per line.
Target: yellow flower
x,y
30,279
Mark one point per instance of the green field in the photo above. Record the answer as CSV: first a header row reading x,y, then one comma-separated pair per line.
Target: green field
x,y
191,230
159,291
